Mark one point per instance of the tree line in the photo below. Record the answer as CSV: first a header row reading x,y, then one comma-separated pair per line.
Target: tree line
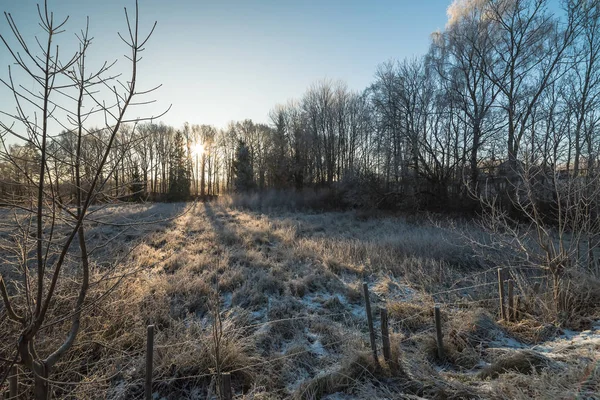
x,y
506,84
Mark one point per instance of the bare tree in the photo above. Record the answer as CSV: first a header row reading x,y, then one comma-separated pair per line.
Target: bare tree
x,y
557,234
529,46
459,56
53,227
585,84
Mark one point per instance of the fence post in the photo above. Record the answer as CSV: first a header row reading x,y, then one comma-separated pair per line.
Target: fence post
x,y
385,335
370,320
149,360
13,383
438,331
517,303
501,293
226,382
511,301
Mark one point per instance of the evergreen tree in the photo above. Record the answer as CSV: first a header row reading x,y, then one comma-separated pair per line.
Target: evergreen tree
x,y
179,174
278,160
242,168
137,186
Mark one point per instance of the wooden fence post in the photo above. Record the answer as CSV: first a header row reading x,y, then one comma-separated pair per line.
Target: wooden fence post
x,y
370,320
511,301
385,335
501,293
149,360
226,382
13,383
438,331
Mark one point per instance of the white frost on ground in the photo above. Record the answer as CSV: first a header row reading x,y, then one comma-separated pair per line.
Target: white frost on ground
x,y
338,396
315,301
507,342
226,300
258,315
389,288
569,341
317,348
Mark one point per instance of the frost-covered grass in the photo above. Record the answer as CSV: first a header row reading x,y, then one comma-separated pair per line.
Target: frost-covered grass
x,y
288,289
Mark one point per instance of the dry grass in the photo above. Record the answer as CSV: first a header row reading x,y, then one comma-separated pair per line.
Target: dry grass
x,y
580,381
291,302
523,362
531,331
465,333
410,316
356,371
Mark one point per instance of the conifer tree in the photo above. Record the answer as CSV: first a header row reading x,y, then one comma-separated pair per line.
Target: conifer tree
x,y
242,168
179,174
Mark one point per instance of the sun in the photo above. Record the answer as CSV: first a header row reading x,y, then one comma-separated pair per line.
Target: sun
x,y
198,149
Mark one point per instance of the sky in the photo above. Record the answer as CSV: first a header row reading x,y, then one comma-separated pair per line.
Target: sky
x,y
227,60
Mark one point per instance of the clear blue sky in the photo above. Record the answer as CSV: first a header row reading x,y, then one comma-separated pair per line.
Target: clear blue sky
x,y
234,59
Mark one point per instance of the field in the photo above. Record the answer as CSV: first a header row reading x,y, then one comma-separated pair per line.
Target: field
x,y
276,299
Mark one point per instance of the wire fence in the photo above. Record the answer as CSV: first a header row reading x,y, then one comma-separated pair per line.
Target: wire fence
x,y
420,322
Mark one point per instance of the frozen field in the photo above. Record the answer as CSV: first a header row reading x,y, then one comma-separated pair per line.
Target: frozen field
x,y
286,291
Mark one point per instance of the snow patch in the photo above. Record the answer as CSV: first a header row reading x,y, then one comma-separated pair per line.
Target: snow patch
x,y
258,315
316,301
507,342
338,396
226,299
571,340
317,348
391,289
568,341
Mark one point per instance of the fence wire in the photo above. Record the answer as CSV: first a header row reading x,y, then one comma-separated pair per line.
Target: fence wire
x,y
394,324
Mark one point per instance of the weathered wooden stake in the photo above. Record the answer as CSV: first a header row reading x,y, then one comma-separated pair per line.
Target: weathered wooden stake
x,y
149,360
13,383
438,331
501,292
385,335
370,320
517,305
226,382
511,301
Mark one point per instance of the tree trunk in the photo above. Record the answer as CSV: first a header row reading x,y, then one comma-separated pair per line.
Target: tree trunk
x,y
41,384
473,161
202,178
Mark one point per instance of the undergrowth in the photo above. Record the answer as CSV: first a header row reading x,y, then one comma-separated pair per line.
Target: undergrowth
x,y
290,307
